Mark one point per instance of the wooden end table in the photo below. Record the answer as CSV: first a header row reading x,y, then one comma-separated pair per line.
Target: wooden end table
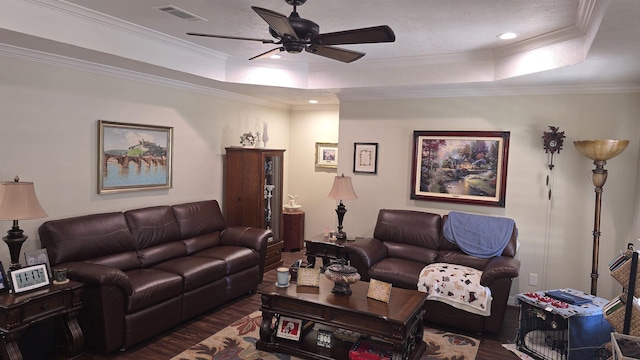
x,y
328,250
19,311
398,322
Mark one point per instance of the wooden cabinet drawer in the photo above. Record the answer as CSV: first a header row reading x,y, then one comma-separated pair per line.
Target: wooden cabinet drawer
x,y
41,308
274,255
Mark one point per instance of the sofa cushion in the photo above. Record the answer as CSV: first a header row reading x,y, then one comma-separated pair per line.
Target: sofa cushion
x,y
410,252
236,258
124,261
202,242
159,253
460,258
195,271
152,226
198,218
399,272
150,287
409,227
85,237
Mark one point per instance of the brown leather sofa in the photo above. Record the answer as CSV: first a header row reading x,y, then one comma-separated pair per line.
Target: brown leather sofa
x,y
405,241
147,270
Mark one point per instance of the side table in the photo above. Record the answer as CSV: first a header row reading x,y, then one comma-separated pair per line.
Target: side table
x,y
328,250
293,230
19,311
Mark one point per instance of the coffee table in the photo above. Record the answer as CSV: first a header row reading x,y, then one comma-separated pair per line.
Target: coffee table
x,y
398,323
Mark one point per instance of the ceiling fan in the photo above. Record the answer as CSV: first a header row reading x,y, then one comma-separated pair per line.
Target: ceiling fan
x,y
295,34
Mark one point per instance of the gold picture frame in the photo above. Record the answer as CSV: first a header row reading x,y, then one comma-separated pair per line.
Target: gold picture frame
x,y
134,157
327,155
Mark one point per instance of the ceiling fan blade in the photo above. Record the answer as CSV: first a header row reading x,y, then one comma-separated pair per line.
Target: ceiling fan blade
x,y
277,22
264,41
268,53
335,53
376,34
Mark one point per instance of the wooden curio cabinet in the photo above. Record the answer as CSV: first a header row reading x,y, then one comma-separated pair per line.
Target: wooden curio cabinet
x,y
253,194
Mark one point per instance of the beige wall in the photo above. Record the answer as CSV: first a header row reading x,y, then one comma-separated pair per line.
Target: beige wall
x,y
49,136
555,235
309,183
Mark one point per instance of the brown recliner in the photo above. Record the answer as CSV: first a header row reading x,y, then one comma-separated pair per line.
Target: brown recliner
x,y
405,241
147,270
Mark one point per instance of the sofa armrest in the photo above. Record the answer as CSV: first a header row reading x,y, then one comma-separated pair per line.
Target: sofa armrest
x,y
364,253
96,274
250,237
498,268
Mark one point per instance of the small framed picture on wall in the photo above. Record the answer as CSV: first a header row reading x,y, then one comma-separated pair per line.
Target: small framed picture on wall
x,y
365,158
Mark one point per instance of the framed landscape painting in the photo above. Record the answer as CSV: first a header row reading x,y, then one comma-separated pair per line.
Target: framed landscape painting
x,y
467,167
133,157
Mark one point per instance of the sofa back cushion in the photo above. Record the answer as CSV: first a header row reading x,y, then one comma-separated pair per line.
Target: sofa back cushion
x,y
86,237
417,228
198,218
152,226
509,250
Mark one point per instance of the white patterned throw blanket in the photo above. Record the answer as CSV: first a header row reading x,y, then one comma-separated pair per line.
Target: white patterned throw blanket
x,y
456,285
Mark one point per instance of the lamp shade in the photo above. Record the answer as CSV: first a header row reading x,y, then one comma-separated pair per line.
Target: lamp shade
x,y
18,201
601,150
342,189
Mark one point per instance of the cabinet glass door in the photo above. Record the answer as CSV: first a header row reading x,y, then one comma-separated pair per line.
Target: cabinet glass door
x,y
273,193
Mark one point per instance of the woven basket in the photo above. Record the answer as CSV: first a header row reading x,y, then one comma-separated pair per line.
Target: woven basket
x,y
616,319
621,274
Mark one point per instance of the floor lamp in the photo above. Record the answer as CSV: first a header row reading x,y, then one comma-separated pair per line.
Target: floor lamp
x,y
599,151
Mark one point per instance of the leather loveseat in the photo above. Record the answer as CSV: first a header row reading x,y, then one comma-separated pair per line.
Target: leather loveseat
x,y
147,270
405,241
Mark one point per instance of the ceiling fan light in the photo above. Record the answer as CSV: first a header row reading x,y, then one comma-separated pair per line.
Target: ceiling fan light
x,y
508,36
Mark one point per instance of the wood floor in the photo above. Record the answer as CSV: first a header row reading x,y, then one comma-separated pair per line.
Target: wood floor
x,y
167,345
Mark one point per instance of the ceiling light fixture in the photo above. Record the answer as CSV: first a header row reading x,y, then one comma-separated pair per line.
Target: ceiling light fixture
x,y
508,36
313,101
275,56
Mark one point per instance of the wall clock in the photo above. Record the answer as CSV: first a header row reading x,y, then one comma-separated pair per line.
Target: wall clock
x,y
29,278
552,141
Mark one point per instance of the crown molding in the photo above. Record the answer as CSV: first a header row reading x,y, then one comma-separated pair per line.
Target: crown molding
x,y
101,69
478,91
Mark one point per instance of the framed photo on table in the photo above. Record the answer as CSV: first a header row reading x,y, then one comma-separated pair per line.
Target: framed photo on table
x,y
36,257
468,167
289,328
327,155
4,283
365,158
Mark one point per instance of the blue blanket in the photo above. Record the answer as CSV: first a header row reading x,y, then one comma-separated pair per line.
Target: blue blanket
x,y
478,235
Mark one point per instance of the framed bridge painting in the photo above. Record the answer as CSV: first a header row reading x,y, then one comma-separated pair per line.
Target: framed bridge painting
x,y
133,157
468,167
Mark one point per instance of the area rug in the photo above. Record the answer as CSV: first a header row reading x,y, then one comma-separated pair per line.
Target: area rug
x,y
238,340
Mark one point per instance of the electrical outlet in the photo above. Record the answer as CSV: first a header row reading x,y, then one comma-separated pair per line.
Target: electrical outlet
x,y
533,279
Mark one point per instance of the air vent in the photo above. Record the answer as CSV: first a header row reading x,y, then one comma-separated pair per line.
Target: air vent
x,y
182,14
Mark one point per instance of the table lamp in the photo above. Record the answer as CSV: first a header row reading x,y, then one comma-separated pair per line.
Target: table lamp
x,y
18,201
342,190
599,151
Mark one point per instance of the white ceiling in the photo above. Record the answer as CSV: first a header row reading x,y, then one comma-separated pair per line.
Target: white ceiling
x,y
442,48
